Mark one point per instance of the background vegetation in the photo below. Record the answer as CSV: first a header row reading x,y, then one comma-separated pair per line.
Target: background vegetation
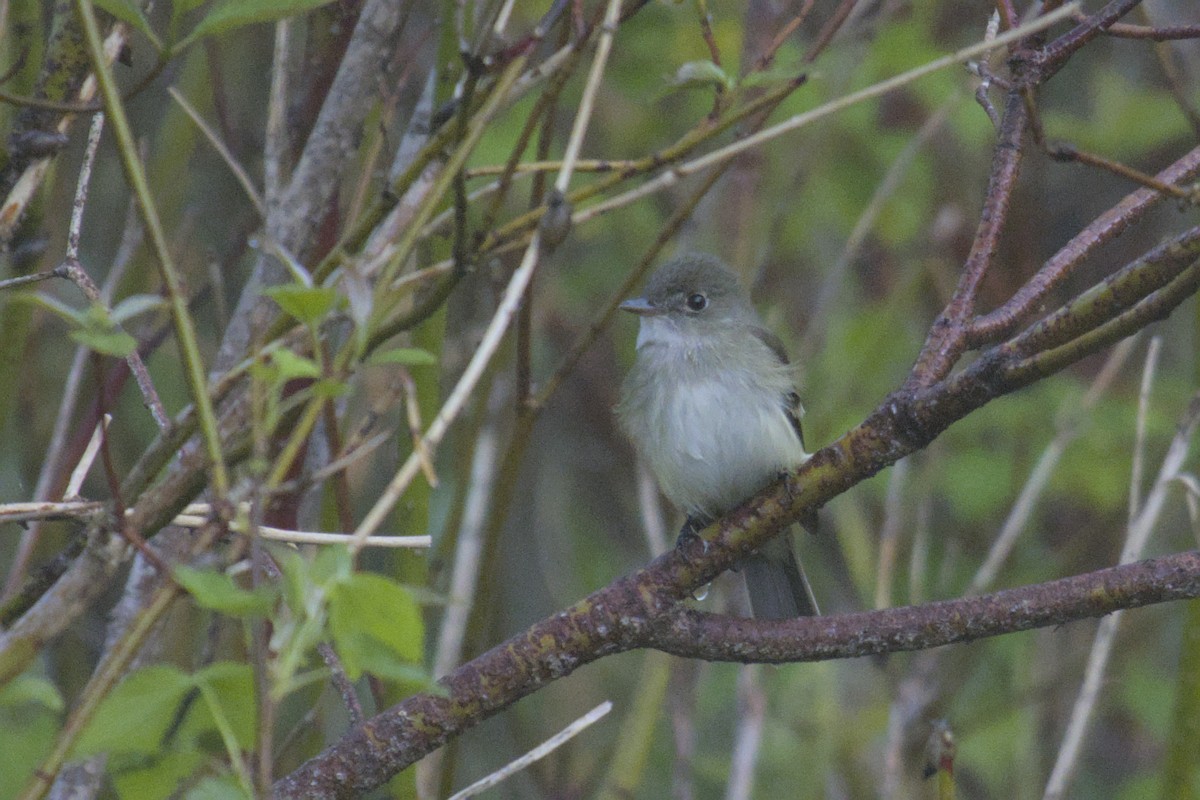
x,y
852,230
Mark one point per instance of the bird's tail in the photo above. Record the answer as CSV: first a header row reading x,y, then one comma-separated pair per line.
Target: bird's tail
x,y
776,582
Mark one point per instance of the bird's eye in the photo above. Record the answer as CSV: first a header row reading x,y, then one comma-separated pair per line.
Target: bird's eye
x,y
697,302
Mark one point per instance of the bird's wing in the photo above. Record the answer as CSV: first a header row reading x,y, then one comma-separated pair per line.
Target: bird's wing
x,y
791,401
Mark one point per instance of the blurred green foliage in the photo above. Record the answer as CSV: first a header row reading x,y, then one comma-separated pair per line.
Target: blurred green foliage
x,y
782,216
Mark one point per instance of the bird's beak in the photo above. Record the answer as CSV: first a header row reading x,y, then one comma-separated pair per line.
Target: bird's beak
x,y
640,306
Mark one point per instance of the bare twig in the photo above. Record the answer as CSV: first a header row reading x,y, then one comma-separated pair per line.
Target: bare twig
x,y
508,305
79,474
185,329
672,175
214,139
1156,34
747,738
468,551
541,751
137,366
1001,322
537,655
342,682
1139,437
50,473
1070,418
81,188
1136,536
275,142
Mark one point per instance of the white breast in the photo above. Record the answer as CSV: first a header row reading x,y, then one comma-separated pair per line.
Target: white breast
x,y
712,432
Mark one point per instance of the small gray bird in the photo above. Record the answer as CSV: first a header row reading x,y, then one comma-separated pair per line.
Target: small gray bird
x,y
711,407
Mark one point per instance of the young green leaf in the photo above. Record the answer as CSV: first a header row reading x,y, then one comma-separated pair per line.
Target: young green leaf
x,y
31,689
406,356
229,686
369,610
136,714
295,576
306,304
700,74
226,15
293,366
217,591
106,341
225,787
159,776
52,304
331,566
136,304
362,653
128,11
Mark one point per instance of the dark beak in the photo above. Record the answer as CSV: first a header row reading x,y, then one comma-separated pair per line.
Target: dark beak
x,y
640,306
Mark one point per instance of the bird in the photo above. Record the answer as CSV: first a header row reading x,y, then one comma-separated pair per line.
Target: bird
x,y
711,407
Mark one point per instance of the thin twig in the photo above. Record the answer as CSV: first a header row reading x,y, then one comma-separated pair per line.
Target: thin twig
x,y
137,365
673,174
750,719
50,473
768,56
947,340
341,682
541,751
1063,151
1139,434
508,304
1074,411
196,519
46,509
469,544
26,280
81,189
275,140
889,534
1126,30
185,329
1137,533
79,474
214,139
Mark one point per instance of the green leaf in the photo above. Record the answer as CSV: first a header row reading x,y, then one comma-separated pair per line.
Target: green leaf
x,y
182,7
231,686
330,388
116,343
293,366
227,15
369,610
700,74
362,653
225,787
31,689
767,78
128,11
54,305
159,777
295,576
219,592
135,715
307,304
406,356
136,304
332,566
27,736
